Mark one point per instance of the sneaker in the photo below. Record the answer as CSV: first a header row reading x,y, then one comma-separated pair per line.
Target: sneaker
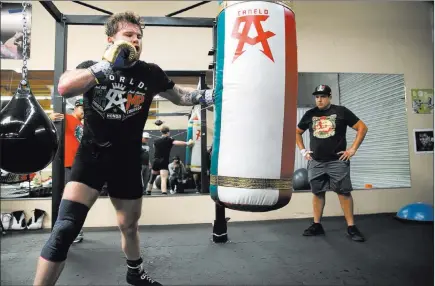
x,y
354,233
79,237
314,229
140,279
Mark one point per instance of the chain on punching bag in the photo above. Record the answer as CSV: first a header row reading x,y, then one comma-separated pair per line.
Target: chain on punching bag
x,y
28,139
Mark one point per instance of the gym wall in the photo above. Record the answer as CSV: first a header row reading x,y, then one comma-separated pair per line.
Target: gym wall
x,y
333,37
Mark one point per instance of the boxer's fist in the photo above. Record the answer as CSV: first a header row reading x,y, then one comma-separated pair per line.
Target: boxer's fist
x,y
120,54
190,143
205,97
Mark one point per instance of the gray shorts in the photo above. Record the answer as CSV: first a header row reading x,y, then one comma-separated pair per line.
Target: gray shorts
x,y
329,176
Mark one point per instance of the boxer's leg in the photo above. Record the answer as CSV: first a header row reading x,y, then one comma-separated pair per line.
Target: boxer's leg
x,y
125,191
76,202
68,171
78,197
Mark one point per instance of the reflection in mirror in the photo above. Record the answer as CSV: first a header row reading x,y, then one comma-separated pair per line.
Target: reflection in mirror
x,y
185,162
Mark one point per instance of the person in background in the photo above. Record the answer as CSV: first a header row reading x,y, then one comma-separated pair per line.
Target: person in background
x,y
177,175
162,151
329,157
145,159
73,136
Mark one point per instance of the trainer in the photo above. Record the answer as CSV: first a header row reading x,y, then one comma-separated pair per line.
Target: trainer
x,y
329,158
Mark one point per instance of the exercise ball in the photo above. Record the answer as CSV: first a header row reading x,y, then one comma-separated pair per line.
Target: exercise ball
x,y
158,182
420,212
300,180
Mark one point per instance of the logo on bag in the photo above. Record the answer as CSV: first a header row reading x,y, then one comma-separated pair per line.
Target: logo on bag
x,y
262,37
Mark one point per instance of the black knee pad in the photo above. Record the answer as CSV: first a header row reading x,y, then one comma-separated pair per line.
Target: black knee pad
x,y
153,178
72,216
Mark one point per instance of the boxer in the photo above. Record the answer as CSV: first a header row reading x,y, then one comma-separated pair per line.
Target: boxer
x,y
117,93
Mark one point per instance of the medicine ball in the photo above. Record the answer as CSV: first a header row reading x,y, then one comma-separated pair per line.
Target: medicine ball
x,y
300,180
158,182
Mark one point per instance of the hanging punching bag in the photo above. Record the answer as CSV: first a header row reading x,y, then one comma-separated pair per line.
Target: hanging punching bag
x,y
28,139
255,106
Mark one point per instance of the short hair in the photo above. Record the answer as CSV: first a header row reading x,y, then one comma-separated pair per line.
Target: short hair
x,y
164,129
112,24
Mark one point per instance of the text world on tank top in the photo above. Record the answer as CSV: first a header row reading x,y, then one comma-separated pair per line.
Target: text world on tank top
x,y
117,109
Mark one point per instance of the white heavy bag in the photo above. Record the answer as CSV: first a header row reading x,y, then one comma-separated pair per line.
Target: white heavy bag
x,y
255,106
193,154
196,134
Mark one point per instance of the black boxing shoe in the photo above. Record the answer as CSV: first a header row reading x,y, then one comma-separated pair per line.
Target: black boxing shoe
x,y
354,233
314,229
140,279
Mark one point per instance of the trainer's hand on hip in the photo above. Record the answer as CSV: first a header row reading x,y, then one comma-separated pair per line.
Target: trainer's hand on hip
x,y
346,155
306,154
120,54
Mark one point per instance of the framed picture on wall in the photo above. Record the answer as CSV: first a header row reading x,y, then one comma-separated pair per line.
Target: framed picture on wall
x,y
423,141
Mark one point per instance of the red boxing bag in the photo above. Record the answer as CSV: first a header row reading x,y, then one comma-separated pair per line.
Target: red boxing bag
x,y
28,139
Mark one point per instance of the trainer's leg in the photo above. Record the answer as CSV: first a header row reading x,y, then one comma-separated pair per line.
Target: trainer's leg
x,y
76,201
346,202
339,171
318,206
319,183
164,174
128,213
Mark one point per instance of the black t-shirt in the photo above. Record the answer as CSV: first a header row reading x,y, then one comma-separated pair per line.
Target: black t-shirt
x,y
162,148
116,110
327,130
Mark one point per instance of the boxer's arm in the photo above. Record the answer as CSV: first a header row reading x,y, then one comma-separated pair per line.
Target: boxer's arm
x,y
184,96
75,82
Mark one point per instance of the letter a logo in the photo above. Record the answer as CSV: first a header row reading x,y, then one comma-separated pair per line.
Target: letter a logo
x,y
243,37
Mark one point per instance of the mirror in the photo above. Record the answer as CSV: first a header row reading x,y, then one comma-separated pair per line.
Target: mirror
x,y
377,99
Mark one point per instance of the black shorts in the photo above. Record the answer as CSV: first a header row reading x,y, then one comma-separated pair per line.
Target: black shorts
x,y
160,164
329,176
94,166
